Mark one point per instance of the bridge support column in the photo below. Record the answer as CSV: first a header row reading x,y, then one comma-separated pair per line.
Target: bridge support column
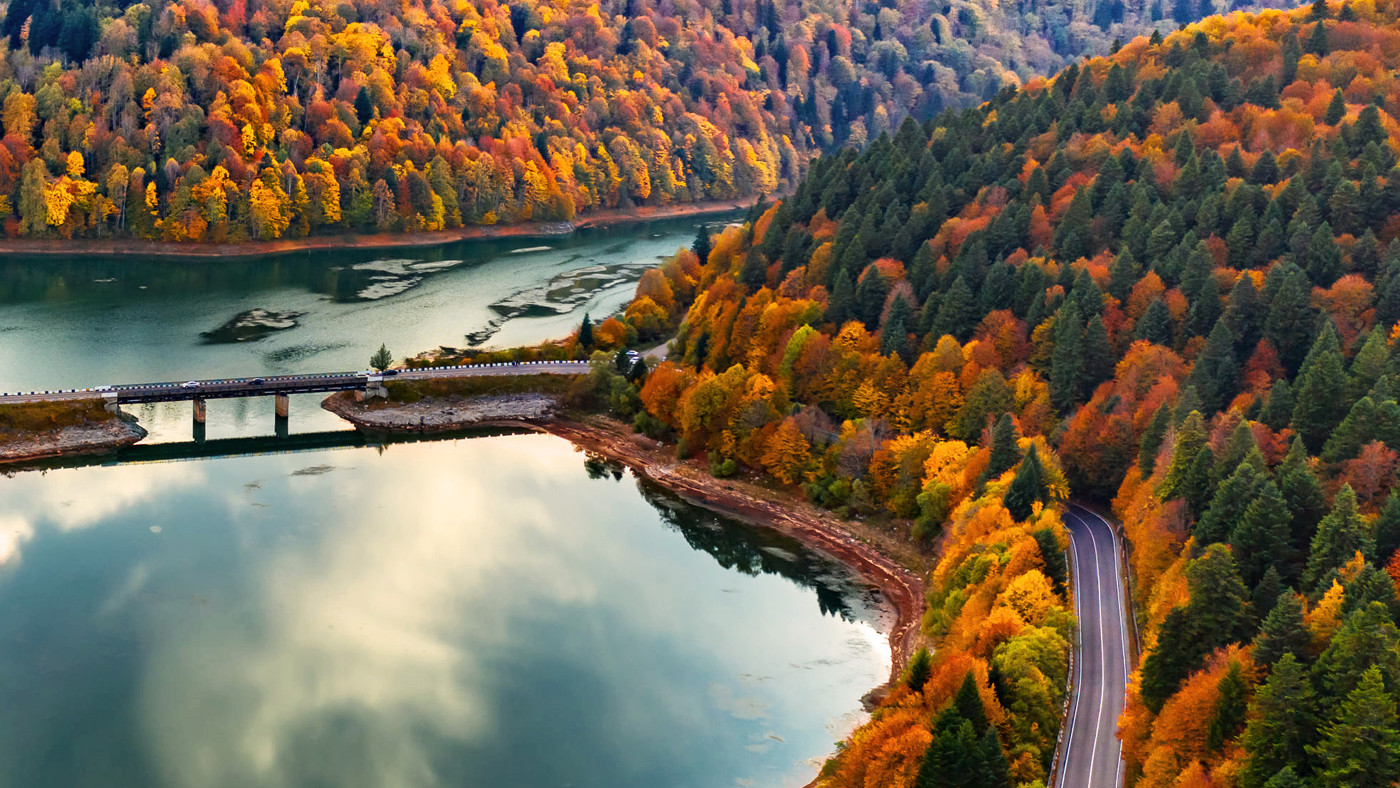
x,y
283,405
370,392
200,411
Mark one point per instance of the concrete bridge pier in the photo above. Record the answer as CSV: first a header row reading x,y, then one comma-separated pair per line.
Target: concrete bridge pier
x,y
201,413
282,408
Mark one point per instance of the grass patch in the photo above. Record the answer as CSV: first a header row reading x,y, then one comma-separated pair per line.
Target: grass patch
x,y
401,391
45,416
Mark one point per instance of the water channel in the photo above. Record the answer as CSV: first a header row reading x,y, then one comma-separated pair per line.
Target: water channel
x,y
485,610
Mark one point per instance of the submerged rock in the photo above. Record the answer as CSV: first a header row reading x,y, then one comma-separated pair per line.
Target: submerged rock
x,y
252,325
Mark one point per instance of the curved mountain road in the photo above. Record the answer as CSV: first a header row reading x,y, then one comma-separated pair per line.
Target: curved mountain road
x,y
1091,755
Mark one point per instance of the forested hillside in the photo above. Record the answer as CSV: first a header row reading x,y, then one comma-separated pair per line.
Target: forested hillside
x,y
262,119
1169,279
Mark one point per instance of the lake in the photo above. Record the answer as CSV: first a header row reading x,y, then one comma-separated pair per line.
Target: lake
x,y
486,611
492,610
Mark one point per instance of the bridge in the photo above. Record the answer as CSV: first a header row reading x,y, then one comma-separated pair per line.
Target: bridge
x,y
281,387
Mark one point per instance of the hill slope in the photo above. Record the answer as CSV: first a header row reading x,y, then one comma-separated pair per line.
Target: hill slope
x,y
1169,278
263,119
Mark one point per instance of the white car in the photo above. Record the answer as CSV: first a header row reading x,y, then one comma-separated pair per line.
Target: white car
x,y
190,384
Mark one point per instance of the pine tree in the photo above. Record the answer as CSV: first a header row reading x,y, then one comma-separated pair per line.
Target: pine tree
x,y
1321,389
1216,615
1336,110
1098,355
1155,325
1152,438
1227,505
870,298
1282,725
1267,591
1005,453
1356,430
1283,632
957,313
1367,638
1340,536
919,669
843,298
1053,559
1289,325
382,358
1216,372
1360,748
1230,708
701,246
1303,493
1190,439
1067,358
585,332
1278,410
1387,528
1260,538
1027,488
894,335
1317,40
364,106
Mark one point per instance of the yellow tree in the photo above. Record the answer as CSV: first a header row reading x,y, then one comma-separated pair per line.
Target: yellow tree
x,y
788,455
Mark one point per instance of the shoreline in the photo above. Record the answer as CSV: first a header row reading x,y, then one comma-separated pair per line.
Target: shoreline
x,y
172,250
73,441
901,586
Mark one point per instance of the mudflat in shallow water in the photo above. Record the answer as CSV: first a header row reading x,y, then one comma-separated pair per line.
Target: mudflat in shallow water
x,y
492,611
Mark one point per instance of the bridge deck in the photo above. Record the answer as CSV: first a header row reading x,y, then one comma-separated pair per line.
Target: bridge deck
x,y
223,388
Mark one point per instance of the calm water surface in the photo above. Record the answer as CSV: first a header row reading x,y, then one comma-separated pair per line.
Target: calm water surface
x,y
475,612
75,323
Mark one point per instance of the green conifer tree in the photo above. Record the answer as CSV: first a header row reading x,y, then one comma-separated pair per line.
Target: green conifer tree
x,y
1005,453
1340,536
1282,725
1360,748
1321,391
1260,537
1067,358
1027,487
1284,632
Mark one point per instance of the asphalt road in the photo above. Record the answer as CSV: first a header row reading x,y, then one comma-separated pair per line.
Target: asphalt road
x,y
1092,754
285,384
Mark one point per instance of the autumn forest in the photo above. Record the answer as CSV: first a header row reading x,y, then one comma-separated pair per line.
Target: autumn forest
x,y
243,120
1166,280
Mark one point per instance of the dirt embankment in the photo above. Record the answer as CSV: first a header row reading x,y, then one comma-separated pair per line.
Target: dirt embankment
x,y
134,247
78,439
440,415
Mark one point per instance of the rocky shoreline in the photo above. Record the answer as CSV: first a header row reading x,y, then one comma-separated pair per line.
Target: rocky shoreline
x,y
439,415
82,439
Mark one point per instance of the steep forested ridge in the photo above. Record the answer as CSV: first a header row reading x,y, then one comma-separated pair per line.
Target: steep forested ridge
x,y
1169,279
262,119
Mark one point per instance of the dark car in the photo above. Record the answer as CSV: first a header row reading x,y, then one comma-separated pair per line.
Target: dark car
x,y
257,381
389,373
